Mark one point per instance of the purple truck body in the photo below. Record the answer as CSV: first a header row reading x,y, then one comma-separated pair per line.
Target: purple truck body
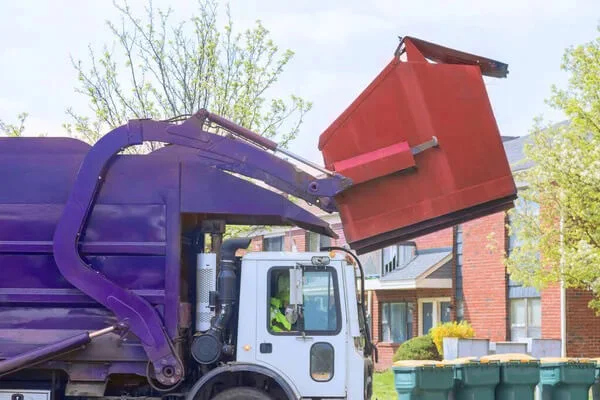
x,y
90,238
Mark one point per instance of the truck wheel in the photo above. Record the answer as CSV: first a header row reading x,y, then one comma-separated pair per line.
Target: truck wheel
x,y
242,393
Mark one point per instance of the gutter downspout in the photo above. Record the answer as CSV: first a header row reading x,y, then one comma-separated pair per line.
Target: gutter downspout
x,y
563,321
563,298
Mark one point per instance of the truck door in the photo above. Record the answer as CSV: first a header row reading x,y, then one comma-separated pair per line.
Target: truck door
x,y
311,350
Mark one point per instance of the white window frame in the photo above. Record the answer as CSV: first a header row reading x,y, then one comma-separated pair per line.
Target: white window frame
x,y
437,312
409,312
525,326
274,236
319,238
397,251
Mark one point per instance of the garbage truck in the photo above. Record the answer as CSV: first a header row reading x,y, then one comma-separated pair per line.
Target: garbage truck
x,y
119,280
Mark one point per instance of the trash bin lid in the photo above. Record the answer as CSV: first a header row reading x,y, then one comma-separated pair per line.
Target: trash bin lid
x,y
565,360
417,363
462,360
509,357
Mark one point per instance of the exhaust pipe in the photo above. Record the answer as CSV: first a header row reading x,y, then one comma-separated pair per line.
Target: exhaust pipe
x,y
208,348
206,267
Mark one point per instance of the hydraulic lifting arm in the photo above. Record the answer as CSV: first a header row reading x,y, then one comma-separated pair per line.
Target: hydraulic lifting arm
x,y
249,157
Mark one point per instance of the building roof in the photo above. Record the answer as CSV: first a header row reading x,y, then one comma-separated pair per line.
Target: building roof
x,y
431,268
514,147
422,263
515,153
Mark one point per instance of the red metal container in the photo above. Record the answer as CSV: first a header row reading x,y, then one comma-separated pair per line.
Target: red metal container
x,y
402,191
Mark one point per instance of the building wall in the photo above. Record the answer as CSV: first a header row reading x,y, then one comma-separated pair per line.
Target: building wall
x,y
257,243
434,240
386,350
550,298
485,282
295,239
341,240
443,238
583,326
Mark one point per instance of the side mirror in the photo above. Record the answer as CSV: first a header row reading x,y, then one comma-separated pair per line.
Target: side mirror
x,y
296,296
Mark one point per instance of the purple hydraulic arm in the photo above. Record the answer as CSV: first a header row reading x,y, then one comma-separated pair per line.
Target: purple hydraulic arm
x,y
51,351
249,157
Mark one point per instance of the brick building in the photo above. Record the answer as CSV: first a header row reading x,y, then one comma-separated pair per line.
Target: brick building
x,y
456,274
423,305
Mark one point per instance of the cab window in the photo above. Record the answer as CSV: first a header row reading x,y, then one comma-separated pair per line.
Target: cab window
x,y
320,311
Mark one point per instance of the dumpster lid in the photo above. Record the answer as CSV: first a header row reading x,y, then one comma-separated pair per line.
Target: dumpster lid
x,y
445,55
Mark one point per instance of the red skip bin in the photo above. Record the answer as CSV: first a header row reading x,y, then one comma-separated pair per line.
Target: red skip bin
x,y
422,147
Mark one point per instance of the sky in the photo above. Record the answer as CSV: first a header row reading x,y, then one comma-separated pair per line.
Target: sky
x,y
339,45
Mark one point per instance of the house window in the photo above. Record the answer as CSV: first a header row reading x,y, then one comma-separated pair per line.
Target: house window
x,y
432,312
523,207
273,243
525,318
315,241
396,322
396,256
515,289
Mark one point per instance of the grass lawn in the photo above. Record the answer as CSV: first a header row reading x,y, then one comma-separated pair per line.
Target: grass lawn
x,y
383,386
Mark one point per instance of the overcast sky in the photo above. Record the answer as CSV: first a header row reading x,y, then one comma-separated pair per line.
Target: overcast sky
x,y
340,46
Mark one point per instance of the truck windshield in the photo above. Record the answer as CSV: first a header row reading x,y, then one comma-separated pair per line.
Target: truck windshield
x,y
320,311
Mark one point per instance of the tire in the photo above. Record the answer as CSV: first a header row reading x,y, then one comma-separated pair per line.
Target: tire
x,y
242,393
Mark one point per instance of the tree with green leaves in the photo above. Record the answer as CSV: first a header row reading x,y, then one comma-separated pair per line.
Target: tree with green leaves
x,y
16,129
160,67
561,242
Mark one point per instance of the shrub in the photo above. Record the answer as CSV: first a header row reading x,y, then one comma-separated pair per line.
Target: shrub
x,y
454,329
417,348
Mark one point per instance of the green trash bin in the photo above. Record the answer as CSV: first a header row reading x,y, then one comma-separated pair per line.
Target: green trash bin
x,y
475,380
566,379
519,376
422,380
596,387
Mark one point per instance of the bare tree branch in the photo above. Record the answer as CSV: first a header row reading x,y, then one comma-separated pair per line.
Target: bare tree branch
x,y
161,67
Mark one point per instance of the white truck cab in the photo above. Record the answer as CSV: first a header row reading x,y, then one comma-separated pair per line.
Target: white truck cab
x,y
317,342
